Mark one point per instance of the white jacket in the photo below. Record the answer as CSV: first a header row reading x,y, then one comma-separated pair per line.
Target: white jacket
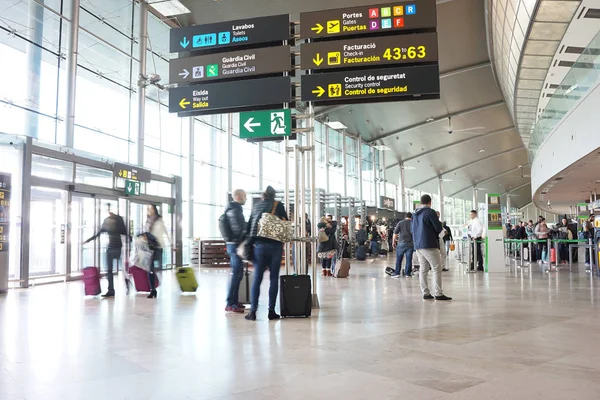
x,y
159,231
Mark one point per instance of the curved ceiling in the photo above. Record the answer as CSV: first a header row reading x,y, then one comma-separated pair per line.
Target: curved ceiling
x,y
488,153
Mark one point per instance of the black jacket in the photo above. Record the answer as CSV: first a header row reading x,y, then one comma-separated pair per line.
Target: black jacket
x,y
448,235
330,244
114,226
264,207
237,222
404,231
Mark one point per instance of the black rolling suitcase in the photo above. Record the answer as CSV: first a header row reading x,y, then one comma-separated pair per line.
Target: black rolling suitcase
x,y
295,297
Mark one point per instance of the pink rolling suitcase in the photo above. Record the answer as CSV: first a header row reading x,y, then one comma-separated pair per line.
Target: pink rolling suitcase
x,y
91,281
141,279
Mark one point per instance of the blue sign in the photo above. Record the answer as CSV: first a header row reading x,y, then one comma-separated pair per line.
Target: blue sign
x,y
224,37
411,9
209,39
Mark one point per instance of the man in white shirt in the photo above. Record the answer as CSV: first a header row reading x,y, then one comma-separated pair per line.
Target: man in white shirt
x,y
476,232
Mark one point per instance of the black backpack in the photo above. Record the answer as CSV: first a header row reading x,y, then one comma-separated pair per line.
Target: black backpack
x,y
225,227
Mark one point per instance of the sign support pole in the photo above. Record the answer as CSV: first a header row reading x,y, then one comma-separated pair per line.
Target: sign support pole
x,y
72,77
404,201
327,166
313,202
360,172
143,36
286,143
345,168
441,196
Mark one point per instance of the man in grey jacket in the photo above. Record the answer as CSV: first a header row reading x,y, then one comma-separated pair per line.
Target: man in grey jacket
x,y
237,227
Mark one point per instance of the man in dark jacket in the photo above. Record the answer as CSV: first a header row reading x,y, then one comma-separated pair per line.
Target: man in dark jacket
x,y
426,228
114,226
237,227
267,253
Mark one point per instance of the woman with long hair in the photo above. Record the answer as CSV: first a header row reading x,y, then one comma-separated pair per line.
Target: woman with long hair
x,y
328,248
156,226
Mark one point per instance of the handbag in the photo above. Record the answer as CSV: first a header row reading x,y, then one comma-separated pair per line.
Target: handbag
x,y
274,228
452,246
245,250
323,237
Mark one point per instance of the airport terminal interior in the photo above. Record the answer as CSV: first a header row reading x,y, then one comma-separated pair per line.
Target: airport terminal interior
x,y
135,135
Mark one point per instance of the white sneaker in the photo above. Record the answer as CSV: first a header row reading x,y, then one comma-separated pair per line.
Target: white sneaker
x,y
396,276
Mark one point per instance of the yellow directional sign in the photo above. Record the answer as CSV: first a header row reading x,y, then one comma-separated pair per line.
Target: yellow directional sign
x,y
319,91
184,103
318,28
318,60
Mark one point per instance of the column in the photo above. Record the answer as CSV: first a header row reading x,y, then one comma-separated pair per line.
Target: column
x,y
191,155
143,40
375,200
404,201
72,74
230,153
384,172
344,167
360,175
441,196
34,66
327,159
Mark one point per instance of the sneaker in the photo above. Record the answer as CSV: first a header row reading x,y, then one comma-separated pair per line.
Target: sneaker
x,y
234,309
428,297
443,298
587,265
396,276
408,276
445,269
240,305
251,316
273,315
109,294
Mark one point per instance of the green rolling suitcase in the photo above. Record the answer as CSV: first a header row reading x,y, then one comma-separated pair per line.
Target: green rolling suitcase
x,y
187,279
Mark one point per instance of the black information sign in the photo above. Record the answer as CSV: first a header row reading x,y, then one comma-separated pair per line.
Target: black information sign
x,y
372,85
230,34
387,19
131,173
227,95
5,188
381,50
387,203
229,65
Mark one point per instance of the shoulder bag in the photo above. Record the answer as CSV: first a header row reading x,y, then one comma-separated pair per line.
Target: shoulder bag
x,y
274,228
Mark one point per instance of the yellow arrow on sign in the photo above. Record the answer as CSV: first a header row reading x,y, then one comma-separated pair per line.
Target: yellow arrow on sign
x,y
184,103
317,28
318,60
319,91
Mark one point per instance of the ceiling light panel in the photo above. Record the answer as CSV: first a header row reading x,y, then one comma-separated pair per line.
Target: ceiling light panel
x,y
169,8
556,11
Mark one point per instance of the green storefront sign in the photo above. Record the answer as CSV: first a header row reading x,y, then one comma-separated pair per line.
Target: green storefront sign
x,y
265,124
132,188
494,212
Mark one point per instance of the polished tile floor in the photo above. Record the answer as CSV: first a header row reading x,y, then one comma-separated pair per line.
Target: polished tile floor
x,y
519,335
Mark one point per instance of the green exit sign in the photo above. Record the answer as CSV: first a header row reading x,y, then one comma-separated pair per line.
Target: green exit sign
x,y
265,124
132,188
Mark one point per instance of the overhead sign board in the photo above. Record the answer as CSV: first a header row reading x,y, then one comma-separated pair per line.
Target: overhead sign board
x,y
387,203
230,95
230,34
132,188
372,84
387,18
265,124
380,50
132,173
212,67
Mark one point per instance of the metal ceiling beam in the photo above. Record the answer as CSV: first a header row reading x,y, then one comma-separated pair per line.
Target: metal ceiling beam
x,y
491,178
503,153
517,188
443,75
448,146
438,119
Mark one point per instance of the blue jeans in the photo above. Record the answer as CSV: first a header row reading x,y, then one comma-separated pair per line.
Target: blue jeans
x,y
237,269
112,254
266,255
374,250
402,249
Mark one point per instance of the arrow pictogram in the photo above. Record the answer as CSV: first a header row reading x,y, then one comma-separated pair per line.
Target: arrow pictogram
x,y
184,103
184,43
251,124
318,60
319,91
317,28
184,74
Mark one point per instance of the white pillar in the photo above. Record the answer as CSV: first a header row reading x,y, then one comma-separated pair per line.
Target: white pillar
x,y
441,197
143,43
72,74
